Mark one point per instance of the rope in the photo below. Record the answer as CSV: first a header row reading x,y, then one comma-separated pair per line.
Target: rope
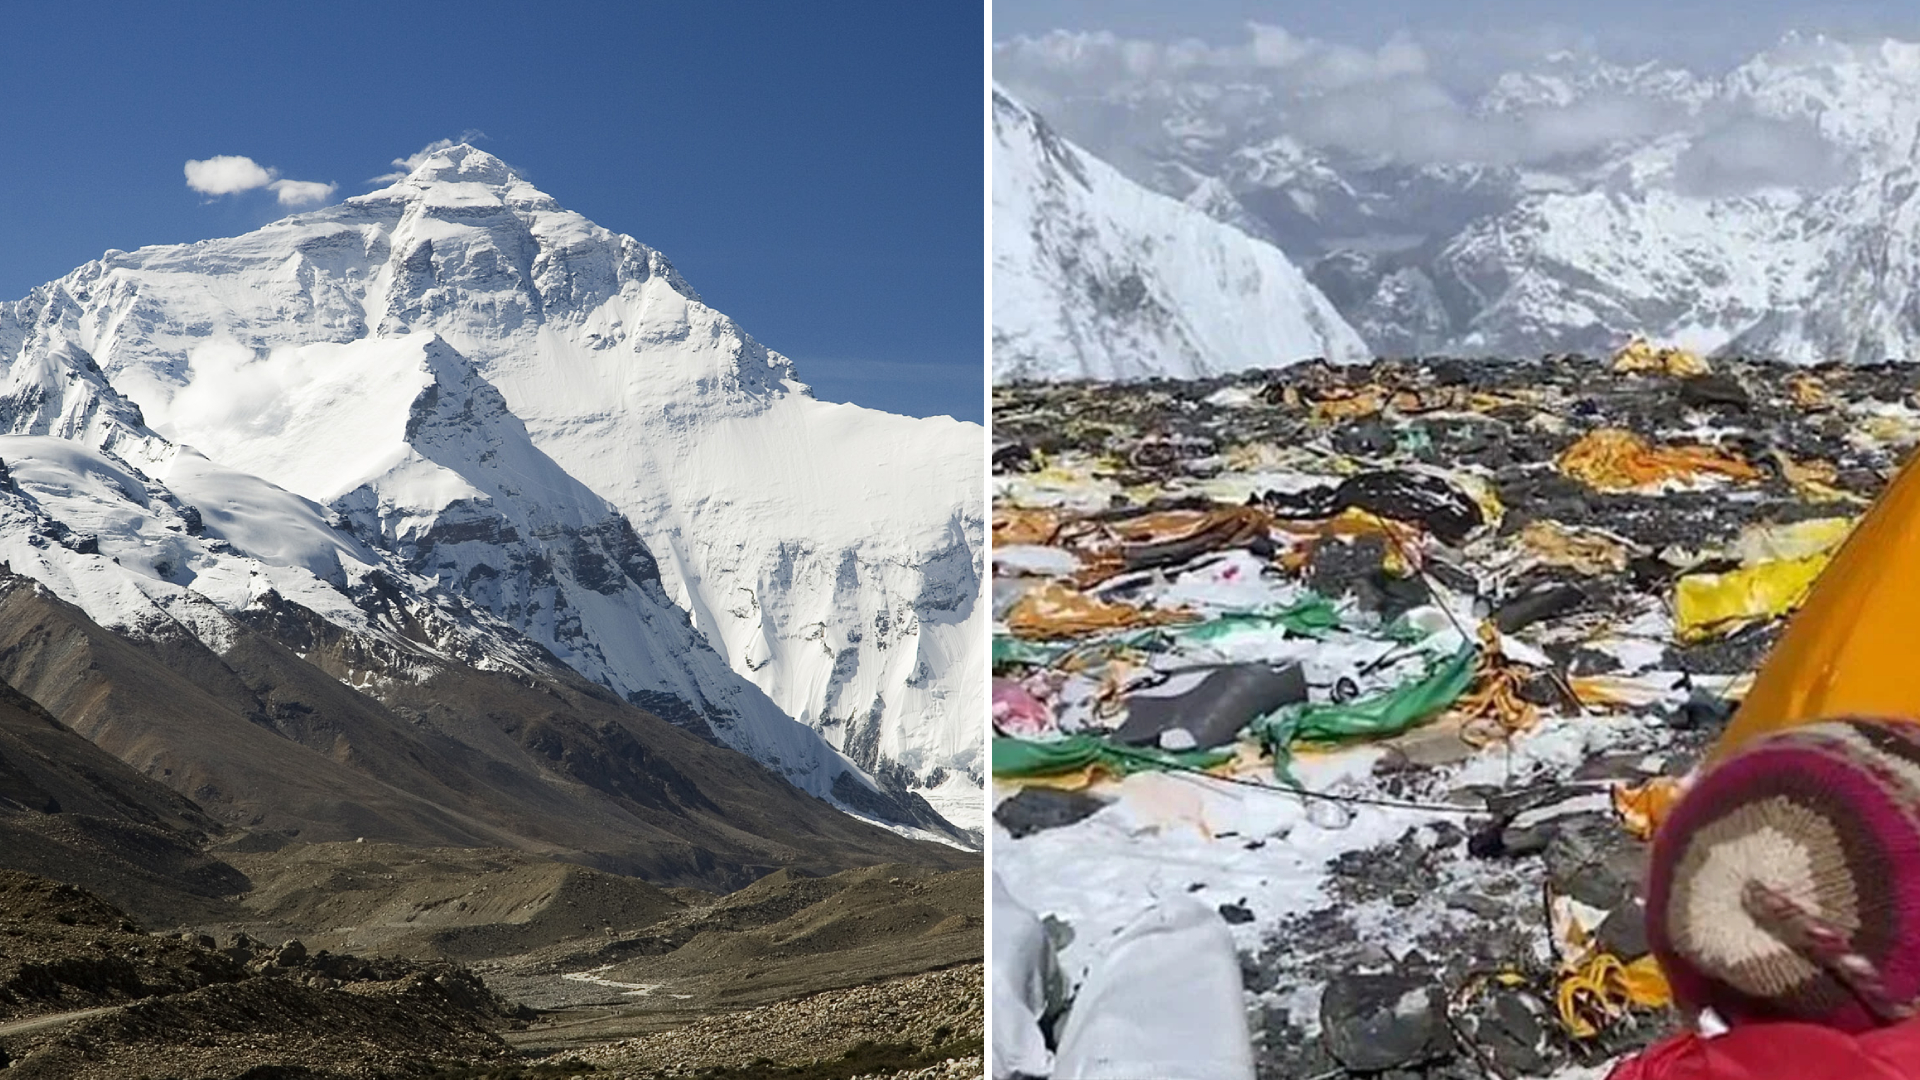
x,y
1302,792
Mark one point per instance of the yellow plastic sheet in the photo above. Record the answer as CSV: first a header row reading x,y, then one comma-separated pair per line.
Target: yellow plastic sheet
x,y
1622,691
1403,540
1849,651
1610,459
1710,605
1641,358
1796,540
1781,563
1350,404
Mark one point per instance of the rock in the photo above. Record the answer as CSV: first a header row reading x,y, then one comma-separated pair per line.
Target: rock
x,y
1430,746
1624,931
1519,842
1509,1029
1236,914
1593,860
1371,1023
1714,392
1546,602
1485,907
1038,809
291,954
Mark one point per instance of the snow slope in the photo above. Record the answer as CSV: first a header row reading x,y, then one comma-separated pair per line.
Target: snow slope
x,y
541,417
1096,277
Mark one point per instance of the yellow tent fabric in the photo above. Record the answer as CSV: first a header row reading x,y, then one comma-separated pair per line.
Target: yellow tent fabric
x,y
1851,650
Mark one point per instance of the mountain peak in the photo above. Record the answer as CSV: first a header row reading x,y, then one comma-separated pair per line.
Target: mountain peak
x,y
462,163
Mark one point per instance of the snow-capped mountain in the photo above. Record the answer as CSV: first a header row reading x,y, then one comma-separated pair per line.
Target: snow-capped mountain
x,y
500,404
1096,277
1756,210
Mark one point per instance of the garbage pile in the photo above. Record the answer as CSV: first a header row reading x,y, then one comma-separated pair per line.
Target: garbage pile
x,y
1395,667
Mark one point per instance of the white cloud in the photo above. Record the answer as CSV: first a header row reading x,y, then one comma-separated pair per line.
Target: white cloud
x,y
405,165
231,174
302,192
226,175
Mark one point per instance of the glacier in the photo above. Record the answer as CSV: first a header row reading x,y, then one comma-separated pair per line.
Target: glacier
x,y
459,384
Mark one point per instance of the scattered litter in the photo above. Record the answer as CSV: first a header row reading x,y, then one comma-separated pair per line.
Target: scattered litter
x,y
1394,668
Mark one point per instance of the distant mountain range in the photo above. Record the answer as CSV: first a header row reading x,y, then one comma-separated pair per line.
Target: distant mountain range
x,y
1692,230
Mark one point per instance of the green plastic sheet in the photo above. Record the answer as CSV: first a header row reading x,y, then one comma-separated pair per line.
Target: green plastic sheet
x,y
1313,617
1020,757
1385,714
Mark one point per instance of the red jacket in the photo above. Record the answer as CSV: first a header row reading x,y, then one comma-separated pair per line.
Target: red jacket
x,y
1781,1051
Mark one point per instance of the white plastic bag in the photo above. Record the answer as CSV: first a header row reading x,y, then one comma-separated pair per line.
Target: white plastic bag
x,y
1164,1000
1023,964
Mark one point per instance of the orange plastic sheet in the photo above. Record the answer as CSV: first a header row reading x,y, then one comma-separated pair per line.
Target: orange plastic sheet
x,y
1013,527
1642,807
1610,459
1849,651
1055,610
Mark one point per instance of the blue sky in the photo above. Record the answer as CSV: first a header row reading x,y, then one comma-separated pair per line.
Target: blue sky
x,y
813,169
1702,33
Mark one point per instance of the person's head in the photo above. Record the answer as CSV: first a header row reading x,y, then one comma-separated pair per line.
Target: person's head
x,y
1785,884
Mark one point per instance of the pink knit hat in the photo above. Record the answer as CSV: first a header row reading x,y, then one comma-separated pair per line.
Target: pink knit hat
x,y
1785,885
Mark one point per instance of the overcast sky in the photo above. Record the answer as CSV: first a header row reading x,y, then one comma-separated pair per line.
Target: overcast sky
x,y
1697,33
